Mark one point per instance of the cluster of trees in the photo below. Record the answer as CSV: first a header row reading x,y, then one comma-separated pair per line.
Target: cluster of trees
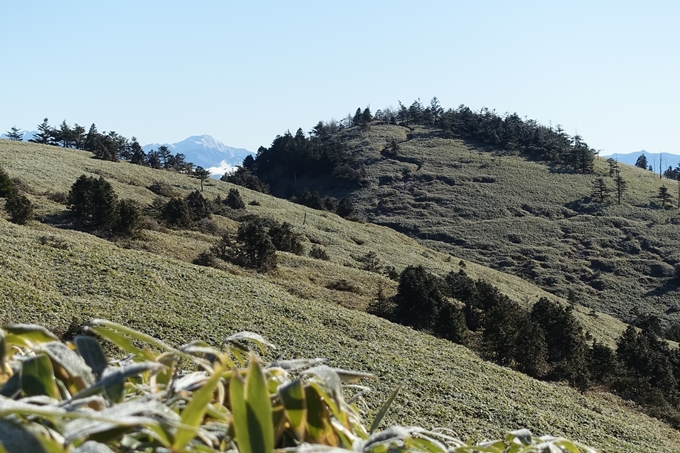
x,y
298,155
254,245
109,146
546,341
323,154
95,204
344,207
601,189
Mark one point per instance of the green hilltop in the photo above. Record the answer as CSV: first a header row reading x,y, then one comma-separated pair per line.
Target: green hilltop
x,y
55,275
505,210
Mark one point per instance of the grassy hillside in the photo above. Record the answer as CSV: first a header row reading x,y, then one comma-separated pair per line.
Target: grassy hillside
x,y
50,274
518,216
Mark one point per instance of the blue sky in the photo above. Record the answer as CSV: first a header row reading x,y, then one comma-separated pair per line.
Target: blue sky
x,y
247,71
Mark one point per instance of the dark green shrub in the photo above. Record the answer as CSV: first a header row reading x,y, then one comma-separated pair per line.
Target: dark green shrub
x,y
19,208
199,206
243,177
255,248
58,197
370,261
418,299
206,258
6,185
163,189
311,200
93,201
319,253
345,208
285,239
503,324
207,226
176,213
234,200
129,219
344,285
450,324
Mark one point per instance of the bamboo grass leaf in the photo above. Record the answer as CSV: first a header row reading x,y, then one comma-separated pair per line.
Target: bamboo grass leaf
x,y
252,410
64,357
123,342
37,377
16,439
295,364
352,376
293,398
318,418
114,378
384,408
193,413
12,387
257,339
28,335
93,447
92,353
259,409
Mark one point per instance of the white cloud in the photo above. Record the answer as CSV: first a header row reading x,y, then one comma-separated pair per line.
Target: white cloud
x,y
221,169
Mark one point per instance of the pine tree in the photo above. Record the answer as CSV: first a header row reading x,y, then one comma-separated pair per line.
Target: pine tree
x,y
621,186
93,201
600,190
176,213
664,196
234,200
45,135
19,208
642,162
137,155
79,136
256,249
92,139
199,207
65,135
164,155
14,134
202,174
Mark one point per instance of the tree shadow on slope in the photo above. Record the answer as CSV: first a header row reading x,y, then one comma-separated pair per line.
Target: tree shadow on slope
x,y
586,205
663,289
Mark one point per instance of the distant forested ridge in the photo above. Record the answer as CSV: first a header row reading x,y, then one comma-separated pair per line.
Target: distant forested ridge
x,y
322,152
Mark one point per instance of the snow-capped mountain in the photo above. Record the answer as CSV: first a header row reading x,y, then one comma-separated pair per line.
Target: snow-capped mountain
x,y
207,152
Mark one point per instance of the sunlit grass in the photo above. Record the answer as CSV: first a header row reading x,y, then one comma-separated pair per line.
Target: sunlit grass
x,y
50,276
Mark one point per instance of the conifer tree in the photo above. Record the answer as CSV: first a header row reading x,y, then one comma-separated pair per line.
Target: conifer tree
x,y
14,134
600,190
642,162
621,186
64,135
45,135
19,208
664,196
137,155
79,136
202,174
234,200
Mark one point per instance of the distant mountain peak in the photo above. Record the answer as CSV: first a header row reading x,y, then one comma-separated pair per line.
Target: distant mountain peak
x,y
206,151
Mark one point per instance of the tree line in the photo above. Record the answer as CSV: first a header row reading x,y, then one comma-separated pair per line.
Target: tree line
x,y
323,153
109,146
545,341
